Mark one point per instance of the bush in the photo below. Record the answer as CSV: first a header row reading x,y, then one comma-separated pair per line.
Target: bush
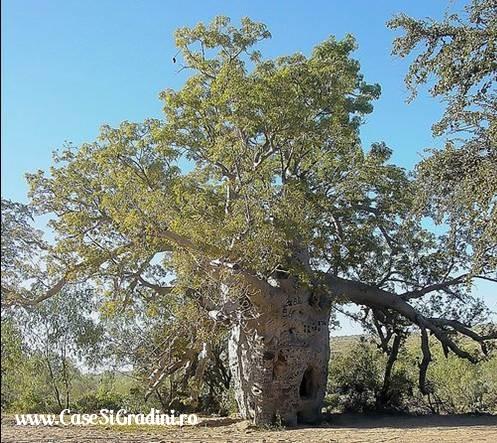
x,y
227,403
356,381
94,402
463,387
457,386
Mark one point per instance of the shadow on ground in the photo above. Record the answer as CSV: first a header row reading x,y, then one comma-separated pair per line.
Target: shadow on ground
x,y
369,421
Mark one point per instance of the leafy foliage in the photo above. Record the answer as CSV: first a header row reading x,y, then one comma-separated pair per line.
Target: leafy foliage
x,y
457,184
357,373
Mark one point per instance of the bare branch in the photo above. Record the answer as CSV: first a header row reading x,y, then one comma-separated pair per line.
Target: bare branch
x,y
434,287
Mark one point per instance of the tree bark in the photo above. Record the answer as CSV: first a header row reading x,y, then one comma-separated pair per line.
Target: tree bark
x,y
279,360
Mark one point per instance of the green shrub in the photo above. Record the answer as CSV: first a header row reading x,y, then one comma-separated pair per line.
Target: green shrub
x,y
94,402
463,387
457,386
356,381
227,403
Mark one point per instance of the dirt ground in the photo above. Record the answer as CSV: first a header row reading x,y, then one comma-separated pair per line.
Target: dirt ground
x,y
341,428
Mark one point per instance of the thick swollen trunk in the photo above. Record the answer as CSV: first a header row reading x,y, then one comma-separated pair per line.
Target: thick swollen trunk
x,y
279,361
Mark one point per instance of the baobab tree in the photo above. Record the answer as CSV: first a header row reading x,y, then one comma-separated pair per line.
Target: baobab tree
x,y
255,198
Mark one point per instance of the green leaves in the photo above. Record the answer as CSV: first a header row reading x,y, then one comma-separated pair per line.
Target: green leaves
x,y
197,44
456,185
254,160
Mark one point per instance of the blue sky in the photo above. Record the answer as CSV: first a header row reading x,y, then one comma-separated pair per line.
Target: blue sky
x,y
68,66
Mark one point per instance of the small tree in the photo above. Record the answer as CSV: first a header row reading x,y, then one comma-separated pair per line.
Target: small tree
x,y
61,332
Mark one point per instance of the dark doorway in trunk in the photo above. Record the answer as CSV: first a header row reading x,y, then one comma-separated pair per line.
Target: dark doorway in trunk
x,y
308,386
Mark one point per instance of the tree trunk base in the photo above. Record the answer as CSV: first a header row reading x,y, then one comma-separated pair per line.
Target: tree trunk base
x,y
279,364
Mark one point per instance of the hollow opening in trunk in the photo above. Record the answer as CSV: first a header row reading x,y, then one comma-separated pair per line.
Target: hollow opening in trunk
x,y
308,386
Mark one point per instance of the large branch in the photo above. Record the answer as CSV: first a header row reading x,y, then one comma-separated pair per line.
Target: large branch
x,y
261,293
159,289
17,296
363,294
442,286
14,297
417,293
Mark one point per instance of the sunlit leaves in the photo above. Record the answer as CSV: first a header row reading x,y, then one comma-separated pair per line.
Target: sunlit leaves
x,y
457,185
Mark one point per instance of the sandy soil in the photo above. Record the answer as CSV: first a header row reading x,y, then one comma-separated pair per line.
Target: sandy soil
x,y
342,428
